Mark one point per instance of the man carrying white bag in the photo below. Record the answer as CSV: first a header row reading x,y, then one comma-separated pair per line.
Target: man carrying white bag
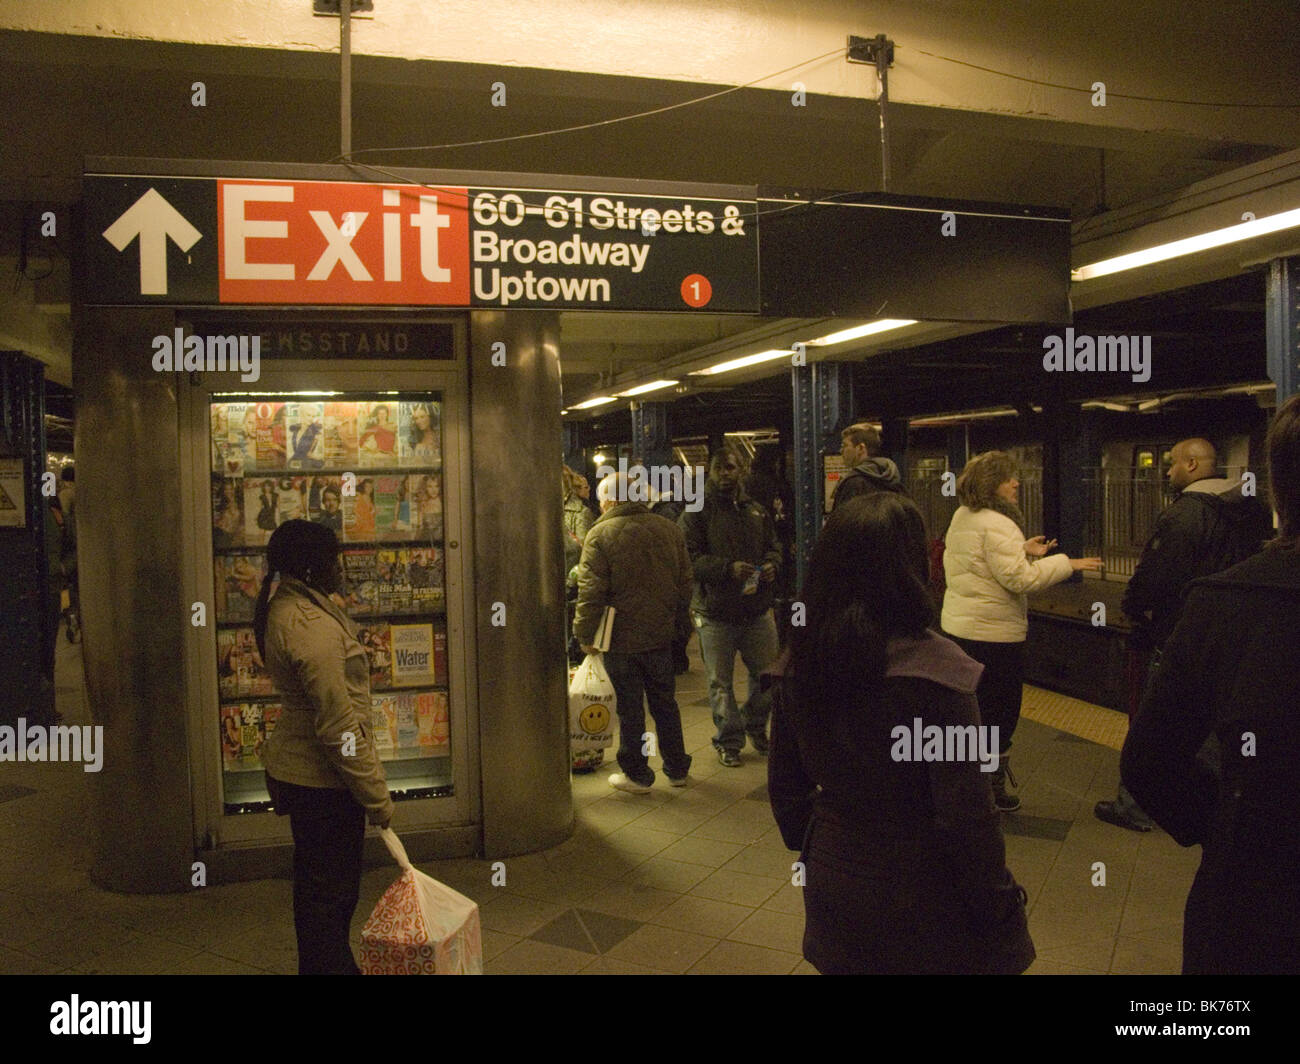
x,y
592,703
636,562
420,926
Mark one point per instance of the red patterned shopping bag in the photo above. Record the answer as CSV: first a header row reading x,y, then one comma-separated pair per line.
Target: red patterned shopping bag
x,y
420,926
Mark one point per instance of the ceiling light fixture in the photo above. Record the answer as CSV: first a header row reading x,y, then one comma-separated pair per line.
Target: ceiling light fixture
x,y
1189,245
641,389
872,327
600,400
741,363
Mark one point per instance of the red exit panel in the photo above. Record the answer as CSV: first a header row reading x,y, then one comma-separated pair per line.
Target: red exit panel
x,y
337,242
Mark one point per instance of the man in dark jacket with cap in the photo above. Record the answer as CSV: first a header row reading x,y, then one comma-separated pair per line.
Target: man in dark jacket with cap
x,y
868,471
733,547
636,562
1212,525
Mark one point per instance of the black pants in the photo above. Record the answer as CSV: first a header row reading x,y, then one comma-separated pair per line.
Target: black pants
x,y
328,828
999,690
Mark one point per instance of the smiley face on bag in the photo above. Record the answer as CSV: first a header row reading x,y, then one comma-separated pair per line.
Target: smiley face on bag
x,y
594,719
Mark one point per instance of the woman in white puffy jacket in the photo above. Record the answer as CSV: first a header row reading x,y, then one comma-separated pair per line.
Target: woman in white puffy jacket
x,y
990,568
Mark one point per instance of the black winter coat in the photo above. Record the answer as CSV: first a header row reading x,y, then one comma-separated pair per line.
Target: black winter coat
x,y
905,862
1229,672
875,474
1200,533
729,530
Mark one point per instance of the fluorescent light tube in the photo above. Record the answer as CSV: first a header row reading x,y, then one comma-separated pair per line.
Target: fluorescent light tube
x,y
641,389
741,363
1189,245
883,325
598,401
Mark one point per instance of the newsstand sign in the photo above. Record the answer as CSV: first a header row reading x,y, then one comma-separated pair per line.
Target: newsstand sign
x,y
178,240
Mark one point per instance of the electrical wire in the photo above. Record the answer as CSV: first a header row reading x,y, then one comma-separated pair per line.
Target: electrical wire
x,y
1117,95
604,122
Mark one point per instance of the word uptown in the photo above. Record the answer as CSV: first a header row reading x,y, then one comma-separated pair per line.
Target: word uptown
x,y
1103,354
59,743
638,484
220,354
952,743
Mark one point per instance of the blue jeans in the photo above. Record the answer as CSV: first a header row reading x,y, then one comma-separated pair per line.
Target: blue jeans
x,y
719,640
637,678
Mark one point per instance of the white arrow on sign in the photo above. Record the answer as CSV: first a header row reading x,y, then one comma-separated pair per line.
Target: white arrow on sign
x,y
153,220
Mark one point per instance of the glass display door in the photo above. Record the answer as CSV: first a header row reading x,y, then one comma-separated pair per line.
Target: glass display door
x,y
372,466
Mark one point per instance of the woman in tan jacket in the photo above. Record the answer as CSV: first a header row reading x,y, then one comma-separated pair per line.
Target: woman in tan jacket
x,y
322,769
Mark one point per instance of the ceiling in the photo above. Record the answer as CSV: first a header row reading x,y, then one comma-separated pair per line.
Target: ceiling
x,y
69,96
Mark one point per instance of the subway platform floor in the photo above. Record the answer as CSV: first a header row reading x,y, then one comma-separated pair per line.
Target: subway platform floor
x,y
690,881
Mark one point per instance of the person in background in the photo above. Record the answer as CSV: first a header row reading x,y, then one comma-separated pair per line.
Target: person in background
x,y
904,859
1227,681
733,548
322,769
578,520
68,554
1211,525
637,563
662,504
767,485
989,568
867,470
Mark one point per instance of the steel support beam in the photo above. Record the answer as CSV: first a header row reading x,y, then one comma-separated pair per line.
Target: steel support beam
x,y
823,401
650,441
1282,328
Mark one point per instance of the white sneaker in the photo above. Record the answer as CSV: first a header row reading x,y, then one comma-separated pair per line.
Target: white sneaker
x,y
621,783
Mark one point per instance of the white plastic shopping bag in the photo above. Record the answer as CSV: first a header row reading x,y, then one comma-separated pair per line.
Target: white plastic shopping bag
x,y
420,926
593,708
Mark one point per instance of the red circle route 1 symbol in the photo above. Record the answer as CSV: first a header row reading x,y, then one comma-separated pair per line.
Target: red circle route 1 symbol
x,y
696,290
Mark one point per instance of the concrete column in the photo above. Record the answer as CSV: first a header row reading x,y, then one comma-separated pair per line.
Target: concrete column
x,y
515,447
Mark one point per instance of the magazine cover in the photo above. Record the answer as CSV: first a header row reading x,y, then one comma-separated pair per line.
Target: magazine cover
x,y
424,571
382,723
251,733
253,677
306,443
218,418
241,436
270,436
238,582
232,743
261,509
291,503
388,492
439,655
432,721
408,727
325,503
359,581
341,435
359,512
270,718
413,664
227,512
377,438
375,637
426,505
394,585
228,663
418,439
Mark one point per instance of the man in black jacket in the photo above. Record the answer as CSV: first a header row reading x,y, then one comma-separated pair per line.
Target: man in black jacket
x,y
733,548
868,471
1211,525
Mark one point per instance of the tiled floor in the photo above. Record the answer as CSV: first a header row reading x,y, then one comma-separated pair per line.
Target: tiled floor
x,y
675,881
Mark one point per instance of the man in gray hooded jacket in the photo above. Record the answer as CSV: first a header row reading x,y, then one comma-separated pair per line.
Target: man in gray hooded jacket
x,y
868,470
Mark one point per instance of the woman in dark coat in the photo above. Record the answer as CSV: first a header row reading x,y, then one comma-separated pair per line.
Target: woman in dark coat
x,y
1228,674
904,860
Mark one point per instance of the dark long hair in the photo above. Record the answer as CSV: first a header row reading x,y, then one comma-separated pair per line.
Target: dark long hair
x,y
866,583
299,549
